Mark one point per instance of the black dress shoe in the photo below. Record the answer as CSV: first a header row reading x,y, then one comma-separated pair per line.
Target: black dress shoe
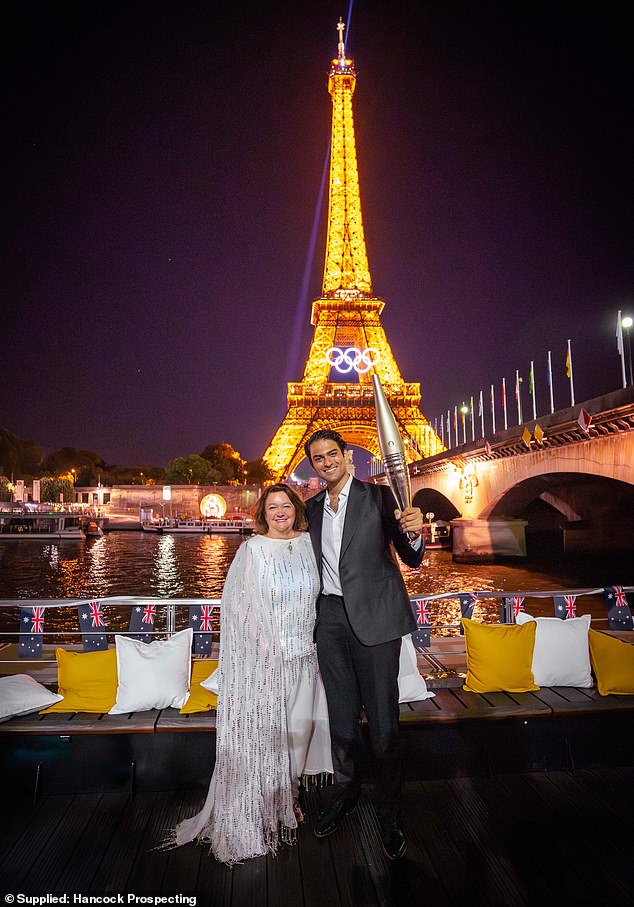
x,y
393,840
330,818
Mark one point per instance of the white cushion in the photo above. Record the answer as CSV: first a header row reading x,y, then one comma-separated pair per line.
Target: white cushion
x,y
21,695
153,675
211,683
411,686
561,657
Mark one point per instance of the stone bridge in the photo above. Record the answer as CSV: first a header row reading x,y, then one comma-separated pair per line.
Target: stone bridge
x,y
572,492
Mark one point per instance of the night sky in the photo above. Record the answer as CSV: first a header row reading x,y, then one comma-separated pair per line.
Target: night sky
x,y
162,164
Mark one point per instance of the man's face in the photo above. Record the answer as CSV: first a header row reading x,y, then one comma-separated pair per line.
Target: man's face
x,y
328,461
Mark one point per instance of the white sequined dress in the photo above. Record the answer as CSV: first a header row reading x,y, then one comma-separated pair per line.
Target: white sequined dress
x,y
272,725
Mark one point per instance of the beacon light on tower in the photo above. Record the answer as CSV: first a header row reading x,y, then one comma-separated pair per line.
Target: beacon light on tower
x,y
392,449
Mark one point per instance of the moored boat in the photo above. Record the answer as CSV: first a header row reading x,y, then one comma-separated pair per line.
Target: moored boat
x,y
28,523
172,526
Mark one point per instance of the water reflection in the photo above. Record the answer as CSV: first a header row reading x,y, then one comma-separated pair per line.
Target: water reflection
x,y
166,580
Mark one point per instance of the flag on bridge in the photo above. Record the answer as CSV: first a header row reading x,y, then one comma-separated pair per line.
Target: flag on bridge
x,y
569,374
467,601
565,606
538,433
91,621
142,618
421,636
526,437
31,632
201,619
584,420
620,347
619,614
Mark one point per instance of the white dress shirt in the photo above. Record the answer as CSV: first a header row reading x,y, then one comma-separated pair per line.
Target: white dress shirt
x,y
331,536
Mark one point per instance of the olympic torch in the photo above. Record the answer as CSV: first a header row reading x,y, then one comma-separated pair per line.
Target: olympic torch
x,y
392,450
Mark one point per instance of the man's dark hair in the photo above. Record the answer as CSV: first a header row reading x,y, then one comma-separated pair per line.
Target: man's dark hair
x,y
324,434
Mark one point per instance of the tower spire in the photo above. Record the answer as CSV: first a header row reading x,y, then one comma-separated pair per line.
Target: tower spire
x,y
346,271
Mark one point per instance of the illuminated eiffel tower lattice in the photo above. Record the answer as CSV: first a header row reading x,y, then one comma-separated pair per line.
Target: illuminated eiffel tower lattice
x,y
349,342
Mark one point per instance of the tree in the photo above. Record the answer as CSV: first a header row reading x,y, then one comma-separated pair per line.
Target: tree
x,y
258,473
227,462
86,463
52,487
18,456
191,470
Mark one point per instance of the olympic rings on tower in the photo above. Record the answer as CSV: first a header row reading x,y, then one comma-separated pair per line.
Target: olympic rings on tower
x,y
348,359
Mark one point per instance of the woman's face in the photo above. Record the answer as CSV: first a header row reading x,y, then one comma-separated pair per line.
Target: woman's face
x,y
279,513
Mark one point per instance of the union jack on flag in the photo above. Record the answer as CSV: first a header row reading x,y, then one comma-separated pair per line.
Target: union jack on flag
x,y
422,612
149,613
571,606
37,620
518,604
205,618
141,620
96,615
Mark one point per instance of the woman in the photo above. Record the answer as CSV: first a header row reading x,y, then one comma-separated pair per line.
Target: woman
x,y
266,736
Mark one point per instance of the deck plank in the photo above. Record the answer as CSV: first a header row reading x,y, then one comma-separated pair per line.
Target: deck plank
x,y
569,837
69,833
471,829
181,875
80,868
120,853
34,840
148,869
594,834
315,859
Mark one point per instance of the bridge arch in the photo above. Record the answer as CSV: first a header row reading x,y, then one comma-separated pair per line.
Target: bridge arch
x,y
434,501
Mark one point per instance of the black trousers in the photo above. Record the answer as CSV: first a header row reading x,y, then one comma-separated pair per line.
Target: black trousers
x,y
355,677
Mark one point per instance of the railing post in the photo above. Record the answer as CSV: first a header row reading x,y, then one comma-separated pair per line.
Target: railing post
x,y
171,618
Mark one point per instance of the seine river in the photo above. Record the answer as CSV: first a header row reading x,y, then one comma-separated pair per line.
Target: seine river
x,y
169,566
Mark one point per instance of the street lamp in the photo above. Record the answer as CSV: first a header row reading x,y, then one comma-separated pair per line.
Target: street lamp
x,y
627,324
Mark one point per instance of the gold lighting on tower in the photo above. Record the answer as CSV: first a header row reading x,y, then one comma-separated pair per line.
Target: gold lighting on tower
x,y
349,338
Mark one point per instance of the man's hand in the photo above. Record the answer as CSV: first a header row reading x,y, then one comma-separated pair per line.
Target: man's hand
x,y
411,520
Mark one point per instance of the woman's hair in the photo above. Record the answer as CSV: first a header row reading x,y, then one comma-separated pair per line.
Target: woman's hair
x,y
300,523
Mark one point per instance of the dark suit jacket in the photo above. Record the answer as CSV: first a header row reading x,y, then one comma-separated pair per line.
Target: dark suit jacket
x,y
374,593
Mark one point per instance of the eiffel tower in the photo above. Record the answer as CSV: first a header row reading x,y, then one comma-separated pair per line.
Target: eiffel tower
x,y
349,342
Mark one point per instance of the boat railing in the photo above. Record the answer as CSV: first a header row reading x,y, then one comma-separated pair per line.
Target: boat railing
x,y
422,605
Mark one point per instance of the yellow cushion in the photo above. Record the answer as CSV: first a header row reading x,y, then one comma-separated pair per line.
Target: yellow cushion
x,y
499,657
612,663
86,680
200,699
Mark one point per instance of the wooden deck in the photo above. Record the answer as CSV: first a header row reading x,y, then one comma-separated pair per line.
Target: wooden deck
x,y
550,838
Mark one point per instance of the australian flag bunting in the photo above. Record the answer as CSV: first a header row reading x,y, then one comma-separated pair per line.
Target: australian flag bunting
x,y
467,601
201,619
421,636
91,621
142,619
511,606
565,606
619,614
31,632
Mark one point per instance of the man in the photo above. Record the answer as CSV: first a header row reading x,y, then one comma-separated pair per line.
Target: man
x,y
362,612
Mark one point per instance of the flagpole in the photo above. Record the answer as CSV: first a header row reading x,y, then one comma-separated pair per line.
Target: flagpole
x,y
464,423
481,414
518,397
493,408
532,386
472,426
572,380
442,430
455,424
550,383
448,429
619,345
506,421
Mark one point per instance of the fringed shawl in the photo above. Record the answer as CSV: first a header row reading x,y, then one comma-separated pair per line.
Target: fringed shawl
x,y
267,614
